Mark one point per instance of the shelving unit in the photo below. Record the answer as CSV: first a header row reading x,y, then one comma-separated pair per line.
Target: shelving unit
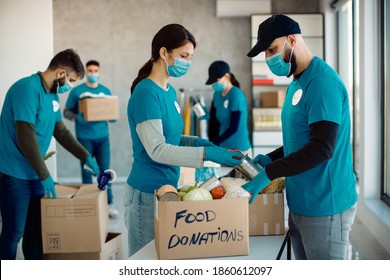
x,y
266,123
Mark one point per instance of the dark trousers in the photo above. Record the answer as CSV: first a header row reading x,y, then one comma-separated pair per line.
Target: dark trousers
x,y
21,217
100,150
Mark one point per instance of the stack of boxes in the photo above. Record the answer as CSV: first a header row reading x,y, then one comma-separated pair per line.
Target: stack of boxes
x,y
266,214
75,225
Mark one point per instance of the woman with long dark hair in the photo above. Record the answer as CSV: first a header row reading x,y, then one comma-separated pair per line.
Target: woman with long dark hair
x,y
156,126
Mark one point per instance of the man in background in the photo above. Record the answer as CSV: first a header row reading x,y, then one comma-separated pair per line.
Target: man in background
x,y
93,135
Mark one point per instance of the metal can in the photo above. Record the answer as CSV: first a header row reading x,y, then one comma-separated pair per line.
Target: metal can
x,y
167,193
210,183
198,109
248,168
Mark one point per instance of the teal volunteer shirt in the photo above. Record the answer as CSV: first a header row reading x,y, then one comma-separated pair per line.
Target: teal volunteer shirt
x,y
90,130
319,95
26,101
225,105
150,102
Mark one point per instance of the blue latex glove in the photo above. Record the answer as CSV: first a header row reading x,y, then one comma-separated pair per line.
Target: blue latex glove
x,y
263,160
201,142
256,185
80,118
48,187
91,166
222,156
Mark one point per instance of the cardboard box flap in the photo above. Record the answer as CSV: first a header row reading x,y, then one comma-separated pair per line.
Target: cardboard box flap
x,y
66,191
88,191
77,191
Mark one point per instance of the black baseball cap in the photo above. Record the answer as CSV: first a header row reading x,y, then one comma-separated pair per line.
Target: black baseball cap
x,y
216,70
273,27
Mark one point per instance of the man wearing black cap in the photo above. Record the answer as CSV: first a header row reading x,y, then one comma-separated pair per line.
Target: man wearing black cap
x,y
316,156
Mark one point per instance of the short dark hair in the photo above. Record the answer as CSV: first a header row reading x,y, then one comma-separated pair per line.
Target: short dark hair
x,y
92,62
70,60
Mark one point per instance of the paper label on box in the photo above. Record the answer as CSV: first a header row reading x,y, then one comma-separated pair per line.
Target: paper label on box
x,y
70,211
53,241
276,198
265,200
277,231
266,228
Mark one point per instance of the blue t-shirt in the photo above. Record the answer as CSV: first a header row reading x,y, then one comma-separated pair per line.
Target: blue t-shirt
x,y
26,101
89,130
233,101
319,95
150,102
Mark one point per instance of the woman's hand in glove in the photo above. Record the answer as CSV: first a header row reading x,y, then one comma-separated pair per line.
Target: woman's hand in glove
x,y
223,156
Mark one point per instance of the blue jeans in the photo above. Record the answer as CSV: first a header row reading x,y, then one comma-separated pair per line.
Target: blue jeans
x,y
20,204
321,238
139,218
100,150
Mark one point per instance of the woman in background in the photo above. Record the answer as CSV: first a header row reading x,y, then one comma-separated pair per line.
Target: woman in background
x,y
156,126
228,126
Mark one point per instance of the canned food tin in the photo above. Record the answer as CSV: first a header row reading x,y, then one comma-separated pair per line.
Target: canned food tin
x,y
198,109
210,183
248,168
167,193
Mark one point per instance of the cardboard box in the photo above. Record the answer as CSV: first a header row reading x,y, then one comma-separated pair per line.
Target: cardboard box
x,y
112,250
266,215
99,109
77,221
201,229
272,98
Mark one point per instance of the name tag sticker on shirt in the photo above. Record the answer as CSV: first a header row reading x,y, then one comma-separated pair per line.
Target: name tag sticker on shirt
x,y
297,97
56,106
177,106
226,104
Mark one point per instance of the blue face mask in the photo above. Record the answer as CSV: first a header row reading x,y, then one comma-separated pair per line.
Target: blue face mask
x,y
218,86
65,87
277,65
93,78
179,68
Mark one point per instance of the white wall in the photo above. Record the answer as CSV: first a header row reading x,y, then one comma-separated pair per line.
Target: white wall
x,y
26,32
330,18
371,210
